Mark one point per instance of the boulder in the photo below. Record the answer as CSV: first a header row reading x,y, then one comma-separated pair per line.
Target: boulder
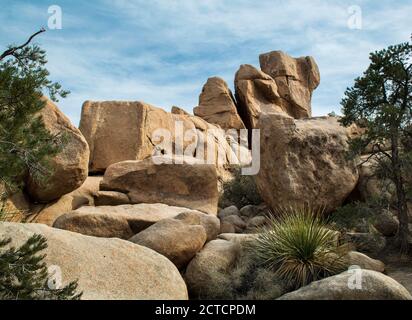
x,y
178,240
115,221
387,224
240,238
366,242
255,223
256,93
110,198
80,197
106,269
217,105
210,222
69,169
374,286
118,131
216,256
251,211
296,79
361,260
237,222
304,162
229,211
190,185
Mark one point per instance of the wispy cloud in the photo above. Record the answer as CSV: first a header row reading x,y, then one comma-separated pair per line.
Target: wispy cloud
x,y
163,51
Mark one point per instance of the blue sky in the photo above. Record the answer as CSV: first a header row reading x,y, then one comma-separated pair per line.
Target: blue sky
x,y
163,51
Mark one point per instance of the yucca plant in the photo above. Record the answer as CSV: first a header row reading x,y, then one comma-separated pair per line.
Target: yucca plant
x,y
299,247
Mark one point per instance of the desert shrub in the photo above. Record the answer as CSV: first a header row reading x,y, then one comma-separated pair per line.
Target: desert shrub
x,y
241,191
244,281
299,247
356,217
24,275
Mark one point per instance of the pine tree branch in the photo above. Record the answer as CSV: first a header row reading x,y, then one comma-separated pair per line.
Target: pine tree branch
x,y
12,51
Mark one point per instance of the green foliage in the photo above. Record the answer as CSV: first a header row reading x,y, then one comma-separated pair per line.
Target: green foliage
x,y
300,247
25,144
245,280
24,275
241,191
355,217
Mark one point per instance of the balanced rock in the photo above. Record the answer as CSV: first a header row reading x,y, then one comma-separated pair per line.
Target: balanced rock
x,y
304,162
116,221
190,184
106,269
217,105
69,168
374,286
296,79
177,239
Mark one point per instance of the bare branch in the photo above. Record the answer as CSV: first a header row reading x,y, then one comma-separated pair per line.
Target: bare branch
x,y
11,51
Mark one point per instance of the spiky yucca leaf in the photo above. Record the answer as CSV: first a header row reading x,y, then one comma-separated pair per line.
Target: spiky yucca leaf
x,y
300,247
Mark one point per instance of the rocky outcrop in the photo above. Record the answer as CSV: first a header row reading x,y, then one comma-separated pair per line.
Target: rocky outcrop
x,y
256,93
217,105
106,269
177,239
190,184
69,168
296,79
304,162
373,286
122,221
119,131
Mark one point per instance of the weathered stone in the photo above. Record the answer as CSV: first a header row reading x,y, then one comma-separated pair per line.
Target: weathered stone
x,y
210,222
367,242
238,237
116,221
110,198
237,223
256,222
178,240
189,185
229,211
296,79
304,162
387,224
375,286
361,260
216,256
69,169
106,269
217,105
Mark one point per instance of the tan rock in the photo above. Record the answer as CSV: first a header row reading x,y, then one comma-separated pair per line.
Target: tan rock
x,y
216,256
304,162
69,167
82,196
296,79
116,221
374,286
178,240
189,185
106,269
361,260
209,222
256,93
110,198
217,105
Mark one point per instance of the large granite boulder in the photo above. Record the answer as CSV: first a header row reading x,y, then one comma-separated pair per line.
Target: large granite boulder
x,y
296,79
69,169
177,239
106,269
372,286
190,184
122,221
217,105
304,162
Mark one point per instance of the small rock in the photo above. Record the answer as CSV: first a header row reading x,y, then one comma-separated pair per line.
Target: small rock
x,y
237,222
256,222
359,259
229,211
250,211
110,198
387,224
226,227
178,240
210,222
238,237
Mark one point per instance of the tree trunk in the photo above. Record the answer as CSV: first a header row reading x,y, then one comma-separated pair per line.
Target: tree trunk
x,y
403,232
